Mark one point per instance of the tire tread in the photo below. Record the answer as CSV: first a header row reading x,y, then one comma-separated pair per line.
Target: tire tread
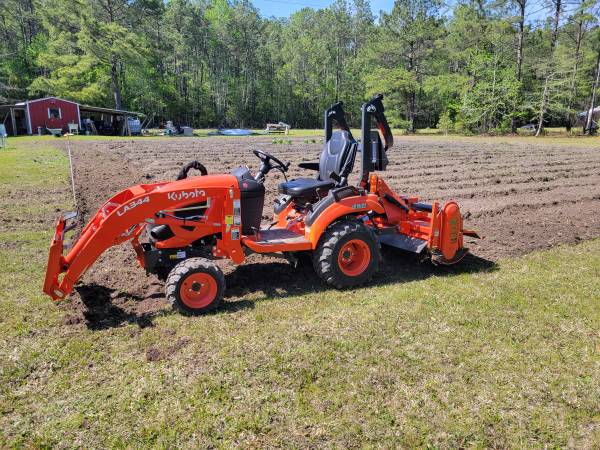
x,y
325,262
184,268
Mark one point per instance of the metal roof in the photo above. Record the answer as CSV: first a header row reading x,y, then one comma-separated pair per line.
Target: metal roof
x,y
16,106
108,110
88,108
24,102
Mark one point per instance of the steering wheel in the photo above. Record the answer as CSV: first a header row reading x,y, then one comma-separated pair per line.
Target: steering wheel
x,y
266,159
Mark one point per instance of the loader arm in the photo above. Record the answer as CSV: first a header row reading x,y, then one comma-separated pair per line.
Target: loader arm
x,y
123,217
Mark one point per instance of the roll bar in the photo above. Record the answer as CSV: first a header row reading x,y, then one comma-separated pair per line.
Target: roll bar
x,y
335,112
373,150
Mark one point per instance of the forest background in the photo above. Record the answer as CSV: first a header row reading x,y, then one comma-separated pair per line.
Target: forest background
x,y
468,67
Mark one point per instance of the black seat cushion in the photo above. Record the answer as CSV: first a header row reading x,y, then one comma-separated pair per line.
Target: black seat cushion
x,y
333,158
335,153
304,187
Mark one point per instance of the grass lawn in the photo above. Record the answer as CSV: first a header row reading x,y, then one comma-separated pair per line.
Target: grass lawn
x,y
509,357
552,136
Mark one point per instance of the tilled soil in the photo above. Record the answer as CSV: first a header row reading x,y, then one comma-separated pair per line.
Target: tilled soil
x,y
519,196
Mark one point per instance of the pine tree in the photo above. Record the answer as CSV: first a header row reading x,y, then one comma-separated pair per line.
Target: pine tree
x,y
405,44
485,66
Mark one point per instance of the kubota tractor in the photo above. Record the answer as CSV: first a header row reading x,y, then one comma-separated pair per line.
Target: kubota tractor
x,y
177,228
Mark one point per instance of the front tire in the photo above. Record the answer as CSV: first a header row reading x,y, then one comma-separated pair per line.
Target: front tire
x,y
347,255
195,286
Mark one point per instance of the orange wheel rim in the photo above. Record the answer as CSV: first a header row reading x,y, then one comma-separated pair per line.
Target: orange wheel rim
x,y
198,290
354,257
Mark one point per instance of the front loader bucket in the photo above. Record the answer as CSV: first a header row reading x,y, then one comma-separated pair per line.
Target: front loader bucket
x,y
95,237
56,259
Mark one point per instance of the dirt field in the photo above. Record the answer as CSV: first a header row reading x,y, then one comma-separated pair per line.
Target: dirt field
x,y
496,352
521,196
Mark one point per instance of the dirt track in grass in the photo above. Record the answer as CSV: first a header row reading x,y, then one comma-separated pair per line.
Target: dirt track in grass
x,y
521,196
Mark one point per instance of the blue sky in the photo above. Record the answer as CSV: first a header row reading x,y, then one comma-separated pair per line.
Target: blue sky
x,y
283,8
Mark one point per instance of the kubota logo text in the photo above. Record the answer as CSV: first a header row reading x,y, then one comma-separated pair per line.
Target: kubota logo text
x,y
186,195
133,204
453,223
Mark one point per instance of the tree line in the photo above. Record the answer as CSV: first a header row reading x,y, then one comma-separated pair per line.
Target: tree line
x,y
474,66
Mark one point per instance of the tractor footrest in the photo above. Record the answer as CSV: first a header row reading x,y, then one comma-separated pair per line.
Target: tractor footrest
x,y
404,242
277,240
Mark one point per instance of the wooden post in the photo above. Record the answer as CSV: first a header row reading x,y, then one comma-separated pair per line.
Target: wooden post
x,y
13,121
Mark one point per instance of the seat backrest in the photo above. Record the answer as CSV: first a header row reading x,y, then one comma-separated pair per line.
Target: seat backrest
x,y
335,153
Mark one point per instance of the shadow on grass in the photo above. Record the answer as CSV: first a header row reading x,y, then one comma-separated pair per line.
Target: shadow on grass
x,y
280,279
101,310
272,279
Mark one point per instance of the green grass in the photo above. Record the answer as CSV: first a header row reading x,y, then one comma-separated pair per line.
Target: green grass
x,y
508,357
552,135
34,179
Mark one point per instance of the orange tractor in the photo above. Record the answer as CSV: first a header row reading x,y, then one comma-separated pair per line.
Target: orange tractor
x,y
177,228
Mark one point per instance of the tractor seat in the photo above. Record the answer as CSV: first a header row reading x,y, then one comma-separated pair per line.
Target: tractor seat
x,y
304,187
333,159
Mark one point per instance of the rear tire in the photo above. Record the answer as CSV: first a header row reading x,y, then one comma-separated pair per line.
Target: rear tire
x,y
347,255
195,286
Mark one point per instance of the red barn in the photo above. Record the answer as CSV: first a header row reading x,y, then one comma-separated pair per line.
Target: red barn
x,y
49,113
55,114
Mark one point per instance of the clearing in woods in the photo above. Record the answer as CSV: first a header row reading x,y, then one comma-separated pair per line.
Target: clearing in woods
x,y
500,351
522,196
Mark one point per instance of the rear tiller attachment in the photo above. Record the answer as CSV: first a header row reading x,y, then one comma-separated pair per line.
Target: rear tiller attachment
x,y
415,226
